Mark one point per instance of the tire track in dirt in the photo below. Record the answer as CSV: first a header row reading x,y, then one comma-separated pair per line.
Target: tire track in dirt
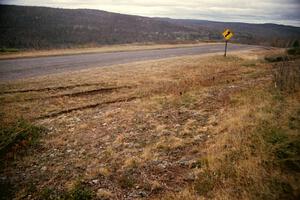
x,y
55,114
76,94
89,92
50,88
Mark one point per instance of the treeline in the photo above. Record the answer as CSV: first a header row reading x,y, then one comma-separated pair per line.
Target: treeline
x,y
260,34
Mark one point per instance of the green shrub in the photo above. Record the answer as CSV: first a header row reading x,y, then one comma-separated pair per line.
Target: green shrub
x,y
49,194
276,58
6,50
276,136
205,182
296,44
287,77
127,181
295,50
79,192
6,191
281,189
19,134
285,149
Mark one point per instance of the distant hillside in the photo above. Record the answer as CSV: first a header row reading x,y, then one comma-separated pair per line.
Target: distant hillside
x,y
41,27
263,34
38,27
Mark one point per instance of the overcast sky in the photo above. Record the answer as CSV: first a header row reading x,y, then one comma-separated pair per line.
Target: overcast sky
x,y
253,11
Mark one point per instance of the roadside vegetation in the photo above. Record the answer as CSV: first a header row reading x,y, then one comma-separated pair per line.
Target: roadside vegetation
x,y
257,154
295,49
8,50
20,134
184,128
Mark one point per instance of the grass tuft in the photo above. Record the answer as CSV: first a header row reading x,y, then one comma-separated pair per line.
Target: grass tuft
x,y
205,182
8,50
126,180
18,135
80,192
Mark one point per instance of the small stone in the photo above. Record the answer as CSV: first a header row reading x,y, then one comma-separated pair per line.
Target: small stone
x,y
190,177
77,119
71,129
69,150
204,129
184,162
44,168
142,194
198,137
163,165
95,181
82,151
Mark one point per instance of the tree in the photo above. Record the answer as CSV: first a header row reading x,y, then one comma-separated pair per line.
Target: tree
x,y
296,44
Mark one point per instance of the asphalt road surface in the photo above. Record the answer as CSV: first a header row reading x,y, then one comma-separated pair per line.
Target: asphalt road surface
x,y
13,69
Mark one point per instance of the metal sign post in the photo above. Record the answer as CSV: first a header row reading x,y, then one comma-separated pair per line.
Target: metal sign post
x,y
225,48
227,34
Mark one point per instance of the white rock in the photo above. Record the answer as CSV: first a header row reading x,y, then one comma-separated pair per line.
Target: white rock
x,y
44,168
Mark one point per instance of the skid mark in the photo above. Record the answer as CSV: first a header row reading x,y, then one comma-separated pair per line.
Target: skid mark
x,y
50,88
55,114
75,94
89,92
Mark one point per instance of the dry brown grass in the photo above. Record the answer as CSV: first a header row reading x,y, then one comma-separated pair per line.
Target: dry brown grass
x,y
231,154
104,194
287,76
188,133
240,163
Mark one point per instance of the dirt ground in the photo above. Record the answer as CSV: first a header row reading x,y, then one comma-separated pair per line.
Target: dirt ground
x,y
132,131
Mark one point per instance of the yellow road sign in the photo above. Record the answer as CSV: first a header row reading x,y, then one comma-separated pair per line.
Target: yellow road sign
x,y
227,34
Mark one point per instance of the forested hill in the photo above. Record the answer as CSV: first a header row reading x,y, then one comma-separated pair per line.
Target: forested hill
x,y
42,27
39,27
262,34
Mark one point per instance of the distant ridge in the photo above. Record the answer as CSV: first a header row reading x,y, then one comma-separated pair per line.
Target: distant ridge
x,y
42,27
263,34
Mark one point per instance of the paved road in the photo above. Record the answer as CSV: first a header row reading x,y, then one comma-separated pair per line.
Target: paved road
x,y
13,69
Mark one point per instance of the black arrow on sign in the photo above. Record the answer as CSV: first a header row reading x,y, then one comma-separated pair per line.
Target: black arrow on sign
x,y
227,33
